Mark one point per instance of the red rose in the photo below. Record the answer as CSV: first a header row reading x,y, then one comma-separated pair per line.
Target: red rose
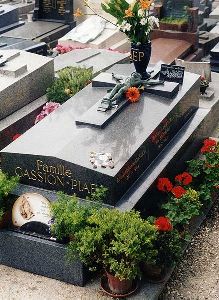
x,y
163,224
16,136
164,185
185,178
178,191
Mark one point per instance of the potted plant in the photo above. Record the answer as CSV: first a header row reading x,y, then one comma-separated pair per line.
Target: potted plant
x,y
183,202
205,170
135,21
169,249
118,242
7,184
70,215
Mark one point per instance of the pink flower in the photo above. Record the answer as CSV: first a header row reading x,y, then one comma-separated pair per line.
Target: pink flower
x,y
50,107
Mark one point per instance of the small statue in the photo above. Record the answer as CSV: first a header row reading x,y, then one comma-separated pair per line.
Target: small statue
x,y
113,98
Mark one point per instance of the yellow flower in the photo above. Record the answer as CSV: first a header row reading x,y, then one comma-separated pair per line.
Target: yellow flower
x,y
128,13
145,4
78,13
67,91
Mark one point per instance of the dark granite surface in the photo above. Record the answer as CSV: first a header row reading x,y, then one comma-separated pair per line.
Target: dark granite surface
x,y
34,30
57,140
8,16
39,256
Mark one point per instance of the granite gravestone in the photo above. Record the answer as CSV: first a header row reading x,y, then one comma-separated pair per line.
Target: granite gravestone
x,y
53,19
54,11
24,78
56,154
9,18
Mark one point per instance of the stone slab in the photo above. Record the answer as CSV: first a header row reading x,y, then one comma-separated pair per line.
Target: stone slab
x,y
17,92
23,44
128,142
39,256
171,49
215,52
38,30
8,16
100,61
208,43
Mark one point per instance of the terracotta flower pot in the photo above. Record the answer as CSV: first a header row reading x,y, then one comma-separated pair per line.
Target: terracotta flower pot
x,y
118,286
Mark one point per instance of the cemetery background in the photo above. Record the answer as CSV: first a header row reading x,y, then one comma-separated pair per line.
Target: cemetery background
x,y
78,292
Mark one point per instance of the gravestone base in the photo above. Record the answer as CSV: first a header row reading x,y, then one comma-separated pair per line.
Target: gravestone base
x,y
40,256
207,40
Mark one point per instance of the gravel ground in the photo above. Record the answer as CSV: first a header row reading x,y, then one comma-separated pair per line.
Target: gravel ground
x,y
197,275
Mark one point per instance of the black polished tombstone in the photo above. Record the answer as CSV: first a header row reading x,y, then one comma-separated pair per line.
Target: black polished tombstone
x,y
55,154
52,19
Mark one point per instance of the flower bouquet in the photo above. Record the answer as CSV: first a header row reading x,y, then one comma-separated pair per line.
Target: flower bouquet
x,y
135,20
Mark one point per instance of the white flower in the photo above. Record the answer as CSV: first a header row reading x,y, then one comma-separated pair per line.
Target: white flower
x,y
141,13
143,21
153,21
125,26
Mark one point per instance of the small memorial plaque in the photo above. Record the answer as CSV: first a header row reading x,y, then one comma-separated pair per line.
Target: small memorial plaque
x,y
172,73
31,211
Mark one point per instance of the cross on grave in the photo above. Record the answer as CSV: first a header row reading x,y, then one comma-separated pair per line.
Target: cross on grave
x,y
100,114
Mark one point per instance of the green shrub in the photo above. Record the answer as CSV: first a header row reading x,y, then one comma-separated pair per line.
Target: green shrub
x,y
117,241
69,82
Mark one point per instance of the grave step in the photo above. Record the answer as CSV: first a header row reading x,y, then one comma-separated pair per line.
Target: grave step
x,y
195,56
10,27
123,45
20,121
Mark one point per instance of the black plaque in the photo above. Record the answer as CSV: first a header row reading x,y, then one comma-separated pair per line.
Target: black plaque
x,y
172,73
54,10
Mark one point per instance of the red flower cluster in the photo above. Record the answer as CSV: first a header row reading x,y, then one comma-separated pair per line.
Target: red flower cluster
x,y
185,178
178,191
164,185
209,146
163,224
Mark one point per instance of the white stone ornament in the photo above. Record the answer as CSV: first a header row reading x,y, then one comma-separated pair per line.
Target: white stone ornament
x,y
101,159
31,207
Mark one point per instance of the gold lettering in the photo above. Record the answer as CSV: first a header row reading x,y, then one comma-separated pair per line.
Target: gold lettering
x,y
18,172
141,55
135,56
85,187
49,177
60,180
40,177
68,173
33,174
39,164
93,187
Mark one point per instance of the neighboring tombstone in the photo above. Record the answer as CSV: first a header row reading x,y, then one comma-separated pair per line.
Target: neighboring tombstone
x,y
54,11
9,18
176,9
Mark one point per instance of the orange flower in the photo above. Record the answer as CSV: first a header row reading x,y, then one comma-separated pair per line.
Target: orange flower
x,y
78,13
133,94
128,13
145,4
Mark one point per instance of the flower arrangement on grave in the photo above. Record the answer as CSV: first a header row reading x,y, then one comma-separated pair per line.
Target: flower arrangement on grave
x,y
69,82
117,242
7,184
205,170
48,108
183,202
169,249
135,20
204,84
